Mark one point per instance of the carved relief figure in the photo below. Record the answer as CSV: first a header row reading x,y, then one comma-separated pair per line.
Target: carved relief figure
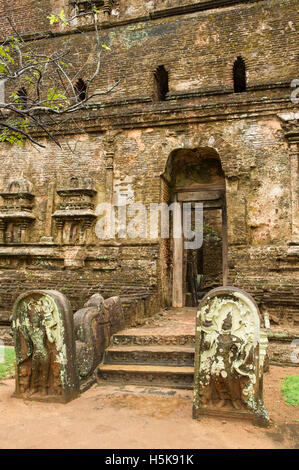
x,y
45,347
230,352
40,356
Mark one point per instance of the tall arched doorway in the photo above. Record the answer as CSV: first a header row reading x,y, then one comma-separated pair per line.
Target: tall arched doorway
x,y
196,176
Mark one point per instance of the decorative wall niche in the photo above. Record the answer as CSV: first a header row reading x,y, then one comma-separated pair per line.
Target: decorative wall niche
x,y
16,211
87,5
75,211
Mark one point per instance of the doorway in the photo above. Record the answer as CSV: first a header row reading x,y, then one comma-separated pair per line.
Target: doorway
x,y
196,176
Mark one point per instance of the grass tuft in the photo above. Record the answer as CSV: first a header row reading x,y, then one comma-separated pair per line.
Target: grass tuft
x,y
7,367
290,389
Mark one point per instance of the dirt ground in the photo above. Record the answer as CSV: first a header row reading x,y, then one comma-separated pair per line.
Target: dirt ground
x,y
129,417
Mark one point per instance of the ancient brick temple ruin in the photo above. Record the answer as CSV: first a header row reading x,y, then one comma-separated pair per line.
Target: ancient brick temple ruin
x,y
205,112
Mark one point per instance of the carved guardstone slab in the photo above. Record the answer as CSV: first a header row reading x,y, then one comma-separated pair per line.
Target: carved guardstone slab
x,y
229,356
45,347
92,330
94,324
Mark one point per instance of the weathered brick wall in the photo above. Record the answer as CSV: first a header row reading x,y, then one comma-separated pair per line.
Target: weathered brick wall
x,y
25,16
126,271
198,50
81,155
258,203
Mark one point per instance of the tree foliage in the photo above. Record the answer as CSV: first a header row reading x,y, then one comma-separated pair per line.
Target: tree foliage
x,y
46,84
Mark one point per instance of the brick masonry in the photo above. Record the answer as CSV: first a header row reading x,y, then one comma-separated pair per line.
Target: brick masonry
x,y
126,140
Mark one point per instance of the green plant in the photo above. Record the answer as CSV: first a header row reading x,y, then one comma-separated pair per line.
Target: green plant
x,y
210,234
290,389
8,366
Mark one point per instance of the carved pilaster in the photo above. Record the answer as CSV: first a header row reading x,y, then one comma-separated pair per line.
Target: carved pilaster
x,y
47,237
59,226
24,226
109,165
290,125
2,231
294,163
86,229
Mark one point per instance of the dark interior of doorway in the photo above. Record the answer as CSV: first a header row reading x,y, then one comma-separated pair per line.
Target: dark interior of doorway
x,y
203,267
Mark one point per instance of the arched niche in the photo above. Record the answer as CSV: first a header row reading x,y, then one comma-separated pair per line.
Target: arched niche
x,y
196,176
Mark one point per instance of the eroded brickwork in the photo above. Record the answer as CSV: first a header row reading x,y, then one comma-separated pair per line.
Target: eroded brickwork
x,y
123,144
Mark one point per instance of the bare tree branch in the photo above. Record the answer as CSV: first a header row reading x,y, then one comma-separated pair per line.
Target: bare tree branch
x,y
39,102
25,134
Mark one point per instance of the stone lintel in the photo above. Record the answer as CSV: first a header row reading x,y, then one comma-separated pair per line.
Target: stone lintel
x,y
19,216
74,214
76,192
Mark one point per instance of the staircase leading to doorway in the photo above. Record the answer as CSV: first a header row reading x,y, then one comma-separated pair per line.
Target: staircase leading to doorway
x,y
161,354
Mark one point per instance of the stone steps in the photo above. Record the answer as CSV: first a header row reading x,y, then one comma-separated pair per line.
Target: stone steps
x,y
149,359
155,355
165,358
158,376
126,339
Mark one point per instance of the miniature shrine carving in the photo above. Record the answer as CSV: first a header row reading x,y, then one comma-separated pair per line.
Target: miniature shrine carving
x,y
75,212
229,358
16,211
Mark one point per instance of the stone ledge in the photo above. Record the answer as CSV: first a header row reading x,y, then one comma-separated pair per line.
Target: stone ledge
x,y
203,5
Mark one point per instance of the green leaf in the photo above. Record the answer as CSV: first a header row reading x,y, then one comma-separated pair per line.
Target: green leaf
x,y
4,54
63,18
56,99
3,68
290,389
53,19
64,64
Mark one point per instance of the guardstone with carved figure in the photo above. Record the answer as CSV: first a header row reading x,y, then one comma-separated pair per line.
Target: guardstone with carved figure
x,y
43,332
229,357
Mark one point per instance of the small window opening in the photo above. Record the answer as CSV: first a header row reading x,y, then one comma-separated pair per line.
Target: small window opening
x,y
22,96
239,73
80,89
161,84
